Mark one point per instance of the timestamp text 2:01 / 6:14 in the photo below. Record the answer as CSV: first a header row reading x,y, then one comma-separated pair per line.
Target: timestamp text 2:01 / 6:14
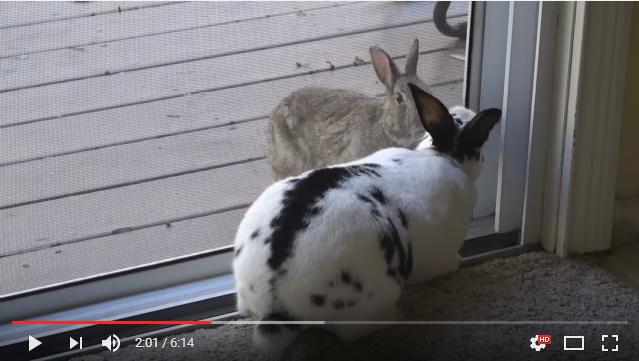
x,y
170,342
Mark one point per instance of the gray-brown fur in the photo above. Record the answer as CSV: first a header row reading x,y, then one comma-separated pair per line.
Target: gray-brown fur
x,y
316,127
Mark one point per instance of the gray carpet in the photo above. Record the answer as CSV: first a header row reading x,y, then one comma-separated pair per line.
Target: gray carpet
x,y
534,286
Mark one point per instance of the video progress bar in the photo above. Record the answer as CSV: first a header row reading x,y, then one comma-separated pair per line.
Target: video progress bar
x,y
394,323
247,322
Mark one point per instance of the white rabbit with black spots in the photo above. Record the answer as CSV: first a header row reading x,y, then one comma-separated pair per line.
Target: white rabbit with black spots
x,y
339,243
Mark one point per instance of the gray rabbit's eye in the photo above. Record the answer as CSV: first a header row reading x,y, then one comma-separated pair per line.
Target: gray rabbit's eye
x,y
399,97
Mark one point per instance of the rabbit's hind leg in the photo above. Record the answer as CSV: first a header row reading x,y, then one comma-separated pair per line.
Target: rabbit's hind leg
x,y
285,156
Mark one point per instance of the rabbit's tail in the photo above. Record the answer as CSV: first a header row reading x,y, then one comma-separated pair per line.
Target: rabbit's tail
x,y
274,337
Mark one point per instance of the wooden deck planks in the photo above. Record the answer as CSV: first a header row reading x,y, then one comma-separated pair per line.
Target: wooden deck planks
x,y
138,161
183,113
107,92
34,12
141,205
104,186
88,215
103,92
143,22
140,52
125,164
75,261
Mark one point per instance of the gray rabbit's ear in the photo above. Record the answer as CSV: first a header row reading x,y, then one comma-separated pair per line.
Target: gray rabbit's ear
x,y
384,67
435,118
411,58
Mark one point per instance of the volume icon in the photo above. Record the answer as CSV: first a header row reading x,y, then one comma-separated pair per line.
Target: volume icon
x,y
112,343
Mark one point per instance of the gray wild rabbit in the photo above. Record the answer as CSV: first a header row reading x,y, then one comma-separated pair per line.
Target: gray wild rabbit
x,y
316,127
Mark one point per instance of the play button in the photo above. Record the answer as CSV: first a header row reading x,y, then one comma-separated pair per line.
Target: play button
x,y
33,342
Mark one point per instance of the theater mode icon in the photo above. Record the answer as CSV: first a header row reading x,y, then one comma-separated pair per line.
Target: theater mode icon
x,y
539,342
574,343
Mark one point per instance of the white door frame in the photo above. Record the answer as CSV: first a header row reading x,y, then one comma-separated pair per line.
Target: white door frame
x,y
562,99
572,211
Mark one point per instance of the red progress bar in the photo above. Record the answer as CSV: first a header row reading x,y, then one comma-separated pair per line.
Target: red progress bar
x,y
98,322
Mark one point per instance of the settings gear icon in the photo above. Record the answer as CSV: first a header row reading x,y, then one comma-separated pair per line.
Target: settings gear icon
x,y
535,345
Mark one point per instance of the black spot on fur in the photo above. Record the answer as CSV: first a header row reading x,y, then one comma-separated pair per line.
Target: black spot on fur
x,y
272,281
402,218
350,303
238,251
255,234
276,277
346,277
397,160
358,286
314,211
298,206
378,195
364,198
318,300
375,212
388,247
338,304
392,246
392,274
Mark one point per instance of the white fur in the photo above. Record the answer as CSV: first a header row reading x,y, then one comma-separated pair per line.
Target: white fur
x,y
435,193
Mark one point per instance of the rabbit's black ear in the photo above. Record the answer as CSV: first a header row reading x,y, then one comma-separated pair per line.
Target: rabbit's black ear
x,y
475,133
411,58
384,67
435,118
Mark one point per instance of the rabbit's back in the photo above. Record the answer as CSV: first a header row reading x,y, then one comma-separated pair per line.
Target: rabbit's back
x,y
313,251
301,260
316,127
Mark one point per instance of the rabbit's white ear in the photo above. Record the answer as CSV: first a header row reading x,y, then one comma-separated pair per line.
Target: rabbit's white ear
x,y
435,118
411,58
384,67
475,132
